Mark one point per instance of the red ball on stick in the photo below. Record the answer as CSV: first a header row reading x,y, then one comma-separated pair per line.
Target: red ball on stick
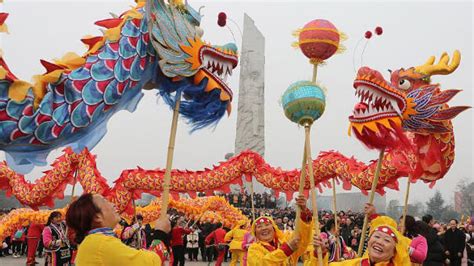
x,y
319,40
368,34
379,30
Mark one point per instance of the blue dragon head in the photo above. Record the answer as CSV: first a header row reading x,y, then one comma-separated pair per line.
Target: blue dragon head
x,y
190,66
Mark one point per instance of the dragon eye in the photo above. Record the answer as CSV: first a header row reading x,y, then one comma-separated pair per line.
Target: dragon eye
x,y
404,84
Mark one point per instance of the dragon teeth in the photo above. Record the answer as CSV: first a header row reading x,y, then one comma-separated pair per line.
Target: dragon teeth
x,y
219,68
395,107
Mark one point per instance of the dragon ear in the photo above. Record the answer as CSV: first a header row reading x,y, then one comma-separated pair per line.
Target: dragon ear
x,y
448,113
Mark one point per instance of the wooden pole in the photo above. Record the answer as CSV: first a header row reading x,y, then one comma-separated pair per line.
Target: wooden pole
x,y
136,221
315,73
405,208
302,182
314,203
196,221
334,205
169,159
74,185
305,154
251,198
371,201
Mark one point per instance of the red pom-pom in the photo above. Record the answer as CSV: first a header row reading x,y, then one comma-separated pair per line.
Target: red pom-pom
x,y
221,19
368,34
379,30
221,22
222,15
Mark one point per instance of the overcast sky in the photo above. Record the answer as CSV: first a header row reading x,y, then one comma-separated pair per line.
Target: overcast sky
x,y
412,32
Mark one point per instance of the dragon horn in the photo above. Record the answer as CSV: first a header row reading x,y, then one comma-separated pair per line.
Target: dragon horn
x,y
443,67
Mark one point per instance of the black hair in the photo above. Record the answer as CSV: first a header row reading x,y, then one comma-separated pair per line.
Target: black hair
x,y
410,226
427,218
52,216
423,228
138,217
329,225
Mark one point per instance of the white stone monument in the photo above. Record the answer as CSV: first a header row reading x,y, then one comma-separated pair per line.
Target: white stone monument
x,y
250,114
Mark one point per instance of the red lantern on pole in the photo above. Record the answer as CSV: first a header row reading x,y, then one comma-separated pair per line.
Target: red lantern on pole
x,y
319,40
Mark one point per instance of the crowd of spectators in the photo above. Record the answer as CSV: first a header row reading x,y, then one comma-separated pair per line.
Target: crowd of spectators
x,y
452,241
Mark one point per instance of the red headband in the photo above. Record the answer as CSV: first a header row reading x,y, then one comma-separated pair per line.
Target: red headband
x,y
263,220
387,230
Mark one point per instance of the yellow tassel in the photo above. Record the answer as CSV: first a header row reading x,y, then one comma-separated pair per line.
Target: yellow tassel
x,y
296,33
295,45
318,62
343,36
341,49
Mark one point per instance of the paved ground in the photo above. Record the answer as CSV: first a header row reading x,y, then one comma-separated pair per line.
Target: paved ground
x,y
10,261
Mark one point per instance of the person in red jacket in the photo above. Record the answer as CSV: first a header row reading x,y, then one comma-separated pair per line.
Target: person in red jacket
x,y
177,241
217,236
33,237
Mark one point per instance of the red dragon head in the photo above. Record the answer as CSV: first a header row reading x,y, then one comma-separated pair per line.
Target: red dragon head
x,y
406,103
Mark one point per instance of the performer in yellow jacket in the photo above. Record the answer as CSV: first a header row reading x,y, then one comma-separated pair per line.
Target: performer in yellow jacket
x,y
92,218
236,236
386,247
272,248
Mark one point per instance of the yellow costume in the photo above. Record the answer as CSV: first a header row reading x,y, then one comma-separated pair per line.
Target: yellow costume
x,y
235,247
262,253
400,258
99,249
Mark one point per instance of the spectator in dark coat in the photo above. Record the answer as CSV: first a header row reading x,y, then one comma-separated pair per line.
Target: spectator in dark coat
x,y
454,243
346,230
435,248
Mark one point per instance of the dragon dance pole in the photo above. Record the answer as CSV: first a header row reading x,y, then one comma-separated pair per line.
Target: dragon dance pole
x,y
405,208
314,203
195,221
305,154
305,101
74,185
334,205
371,201
251,198
301,185
169,159
315,72
139,236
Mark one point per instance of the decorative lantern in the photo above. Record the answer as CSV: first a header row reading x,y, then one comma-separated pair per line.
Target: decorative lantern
x,y
304,102
319,40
